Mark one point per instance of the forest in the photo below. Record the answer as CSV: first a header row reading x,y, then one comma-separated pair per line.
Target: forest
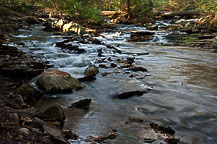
x,y
108,71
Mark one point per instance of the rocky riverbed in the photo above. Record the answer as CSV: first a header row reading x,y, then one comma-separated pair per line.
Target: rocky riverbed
x,y
96,87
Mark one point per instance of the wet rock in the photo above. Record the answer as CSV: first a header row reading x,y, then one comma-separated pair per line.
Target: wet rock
x,y
54,112
83,104
113,65
69,135
133,119
130,60
28,92
132,89
152,27
91,71
162,129
103,66
56,81
150,136
138,68
55,134
24,131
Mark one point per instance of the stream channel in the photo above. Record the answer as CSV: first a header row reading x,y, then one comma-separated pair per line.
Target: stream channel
x,y
184,82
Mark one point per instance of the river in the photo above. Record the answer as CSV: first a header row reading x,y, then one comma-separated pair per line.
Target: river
x,y
184,82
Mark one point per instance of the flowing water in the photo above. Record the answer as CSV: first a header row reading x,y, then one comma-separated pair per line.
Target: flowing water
x,y
184,81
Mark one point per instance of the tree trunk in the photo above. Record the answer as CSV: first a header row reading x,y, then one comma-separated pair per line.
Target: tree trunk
x,y
128,10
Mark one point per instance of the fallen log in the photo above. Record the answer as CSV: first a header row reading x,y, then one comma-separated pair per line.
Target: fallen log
x,y
181,13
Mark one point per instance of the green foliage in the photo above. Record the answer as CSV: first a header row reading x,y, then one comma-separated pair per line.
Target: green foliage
x,y
21,6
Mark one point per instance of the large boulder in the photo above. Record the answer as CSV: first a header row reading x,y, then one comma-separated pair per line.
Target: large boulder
x,y
56,81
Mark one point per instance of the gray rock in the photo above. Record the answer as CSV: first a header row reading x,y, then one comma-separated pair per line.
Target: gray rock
x,y
91,71
83,104
133,119
132,89
54,112
55,134
24,131
150,136
214,41
28,92
13,117
56,81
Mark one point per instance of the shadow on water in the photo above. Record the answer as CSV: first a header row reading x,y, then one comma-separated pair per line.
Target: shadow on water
x,y
184,81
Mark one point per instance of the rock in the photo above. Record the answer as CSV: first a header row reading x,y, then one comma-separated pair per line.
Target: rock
x,y
113,65
162,129
138,68
152,27
132,89
14,118
56,81
133,119
28,92
24,131
83,104
214,40
55,134
35,130
91,71
103,66
54,112
149,136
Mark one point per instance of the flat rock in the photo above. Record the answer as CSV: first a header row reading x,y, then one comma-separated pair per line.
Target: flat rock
x,y
132,88
56,81
150,136
54,112
24,131
55,134
83,104
91,71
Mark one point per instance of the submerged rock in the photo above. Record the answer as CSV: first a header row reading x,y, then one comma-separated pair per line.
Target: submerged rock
x,y
83,104
28,92
132,119
132,89
56,81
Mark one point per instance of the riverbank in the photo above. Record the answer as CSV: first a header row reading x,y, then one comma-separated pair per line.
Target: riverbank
x,y
121,62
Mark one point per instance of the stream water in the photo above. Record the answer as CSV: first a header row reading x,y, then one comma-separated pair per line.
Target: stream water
x,y
184,81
